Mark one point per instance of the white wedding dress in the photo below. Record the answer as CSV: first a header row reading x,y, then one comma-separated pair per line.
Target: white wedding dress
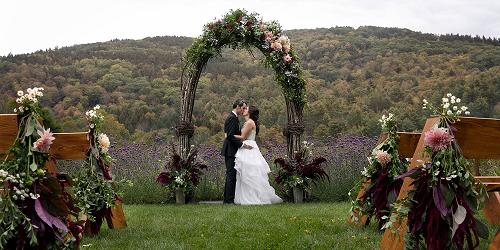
x,y
252,180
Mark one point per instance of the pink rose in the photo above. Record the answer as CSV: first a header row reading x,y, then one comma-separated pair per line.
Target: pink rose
x,y
44,142
286,48
287,58
276,46
269,35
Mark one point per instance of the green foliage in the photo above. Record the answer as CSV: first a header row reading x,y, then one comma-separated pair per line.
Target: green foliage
x,y
94,187
94,193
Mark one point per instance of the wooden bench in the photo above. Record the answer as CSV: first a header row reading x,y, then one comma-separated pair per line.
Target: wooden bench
x,y
66,146
478,138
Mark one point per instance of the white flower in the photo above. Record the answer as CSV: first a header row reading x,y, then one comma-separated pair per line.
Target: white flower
x,y
20,93
445,100
467,113
449,112
455,108
449,95
459,112
458,100
179,180
452,100
463,108
284,40
425,101
97,107
34,196
446,105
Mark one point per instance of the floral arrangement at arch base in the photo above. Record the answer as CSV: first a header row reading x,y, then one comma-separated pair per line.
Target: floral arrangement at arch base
x,y
301,171
182,173
382,188
35,210
94,186
441,208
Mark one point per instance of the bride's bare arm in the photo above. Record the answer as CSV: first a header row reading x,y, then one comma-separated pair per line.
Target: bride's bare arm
x,y
245,131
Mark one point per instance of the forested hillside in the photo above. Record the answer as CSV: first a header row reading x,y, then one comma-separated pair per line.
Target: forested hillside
x,y
353,76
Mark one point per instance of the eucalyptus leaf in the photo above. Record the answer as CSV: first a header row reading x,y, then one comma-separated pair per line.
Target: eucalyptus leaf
x,y
33,167
30,126
454,229
460,214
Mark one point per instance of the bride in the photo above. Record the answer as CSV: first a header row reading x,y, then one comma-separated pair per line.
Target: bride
x,y
252,181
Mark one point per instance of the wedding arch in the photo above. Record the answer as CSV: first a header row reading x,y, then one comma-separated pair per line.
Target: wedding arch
x,y
240,30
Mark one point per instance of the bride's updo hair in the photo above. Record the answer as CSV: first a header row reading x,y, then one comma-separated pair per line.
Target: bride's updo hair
x,y
253,113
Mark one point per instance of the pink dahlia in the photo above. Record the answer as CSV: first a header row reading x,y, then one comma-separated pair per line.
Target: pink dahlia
x,y
438,139
383,157
44,142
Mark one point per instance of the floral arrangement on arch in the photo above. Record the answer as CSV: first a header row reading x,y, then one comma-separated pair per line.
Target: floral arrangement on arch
x,y
382,189
440,210
238,29
36,211
300,171
182,173
94,186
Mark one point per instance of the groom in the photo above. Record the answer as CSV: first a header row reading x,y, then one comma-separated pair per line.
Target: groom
x,y
231,145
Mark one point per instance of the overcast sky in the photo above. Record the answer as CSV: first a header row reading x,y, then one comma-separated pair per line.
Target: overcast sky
x,y
30,25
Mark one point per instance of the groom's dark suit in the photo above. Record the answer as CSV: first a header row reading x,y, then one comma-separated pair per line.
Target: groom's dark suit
x,y
229,149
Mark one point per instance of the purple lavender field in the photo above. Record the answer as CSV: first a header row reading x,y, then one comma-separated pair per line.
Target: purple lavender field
x,y
141,162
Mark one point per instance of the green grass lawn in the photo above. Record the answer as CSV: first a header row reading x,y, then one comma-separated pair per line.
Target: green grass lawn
x,y
284,226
